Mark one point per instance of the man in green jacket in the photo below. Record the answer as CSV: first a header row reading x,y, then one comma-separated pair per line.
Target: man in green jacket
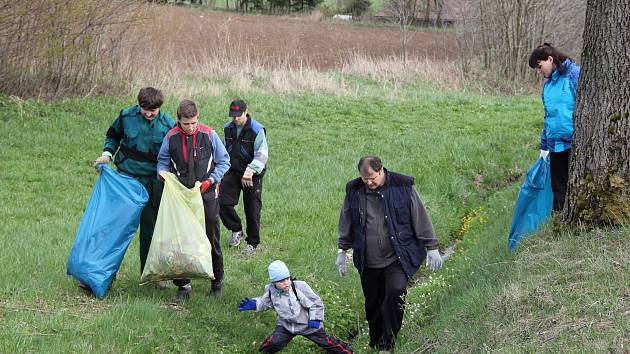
x,y
133,142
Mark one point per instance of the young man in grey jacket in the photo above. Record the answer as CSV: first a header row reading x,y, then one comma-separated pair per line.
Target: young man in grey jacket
x,y
300,312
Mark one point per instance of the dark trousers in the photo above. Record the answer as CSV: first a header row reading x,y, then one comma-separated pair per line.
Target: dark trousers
x,y
252,203
384,290
154,188
213,232
559,167
281,337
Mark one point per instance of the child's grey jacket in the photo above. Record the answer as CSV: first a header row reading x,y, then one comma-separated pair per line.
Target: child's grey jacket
x,y
293,314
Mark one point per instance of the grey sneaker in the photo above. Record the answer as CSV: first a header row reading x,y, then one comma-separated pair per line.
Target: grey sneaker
x,y
236,238
183,293
249,250
216,290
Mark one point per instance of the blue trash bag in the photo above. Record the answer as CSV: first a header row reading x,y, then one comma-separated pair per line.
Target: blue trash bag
x,y
534,203
109,222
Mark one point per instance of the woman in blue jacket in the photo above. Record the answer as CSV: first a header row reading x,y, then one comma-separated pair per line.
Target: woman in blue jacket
x,y
558,97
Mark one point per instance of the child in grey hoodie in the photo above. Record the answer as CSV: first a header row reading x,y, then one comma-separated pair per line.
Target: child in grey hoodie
x,y
300,312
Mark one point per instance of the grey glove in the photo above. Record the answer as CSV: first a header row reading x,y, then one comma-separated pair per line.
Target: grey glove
x,y
544,154
434,260
247,180
106,157
342,266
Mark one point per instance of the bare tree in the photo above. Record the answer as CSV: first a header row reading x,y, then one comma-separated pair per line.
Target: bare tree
x,y
403,12
432,11
501,33
439,6
599,180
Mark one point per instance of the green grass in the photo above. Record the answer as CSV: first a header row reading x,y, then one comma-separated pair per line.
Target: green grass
x,y
560,292
463,150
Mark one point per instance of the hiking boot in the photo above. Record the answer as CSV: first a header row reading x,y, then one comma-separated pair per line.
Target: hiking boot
x,y
236,238
182,294
216,290
249,250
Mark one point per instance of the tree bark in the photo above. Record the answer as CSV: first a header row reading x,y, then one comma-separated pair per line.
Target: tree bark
x,y
599,174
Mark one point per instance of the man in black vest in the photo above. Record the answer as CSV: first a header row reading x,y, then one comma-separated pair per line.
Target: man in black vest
x,y
384,222
246,143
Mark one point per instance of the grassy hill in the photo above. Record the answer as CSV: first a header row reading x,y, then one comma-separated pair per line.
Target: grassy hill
x,y
560,292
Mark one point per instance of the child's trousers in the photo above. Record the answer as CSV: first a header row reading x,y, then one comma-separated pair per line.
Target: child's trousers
x,y
281,337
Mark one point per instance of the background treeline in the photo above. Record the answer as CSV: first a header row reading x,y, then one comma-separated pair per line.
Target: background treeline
x,y
261,6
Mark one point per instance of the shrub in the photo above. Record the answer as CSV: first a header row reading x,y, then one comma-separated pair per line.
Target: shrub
x,y
53,48
327,9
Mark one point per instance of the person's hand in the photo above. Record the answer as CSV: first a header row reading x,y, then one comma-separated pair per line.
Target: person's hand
x,y
342,266
434,260
247,180
314,323
247,304
101,159
544,154
205,184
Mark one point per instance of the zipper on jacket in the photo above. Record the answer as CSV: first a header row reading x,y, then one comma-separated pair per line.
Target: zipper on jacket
x,y
291,305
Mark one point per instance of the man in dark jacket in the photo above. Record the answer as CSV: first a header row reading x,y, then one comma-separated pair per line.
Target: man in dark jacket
x,y
194,152
246,143
390,233
134,140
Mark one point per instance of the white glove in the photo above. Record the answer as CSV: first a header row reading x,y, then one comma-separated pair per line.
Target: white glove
x,y
434,260
106,157
342,266
544,154
247,180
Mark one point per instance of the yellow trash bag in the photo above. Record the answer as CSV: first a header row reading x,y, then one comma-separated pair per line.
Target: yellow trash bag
x,y
179,248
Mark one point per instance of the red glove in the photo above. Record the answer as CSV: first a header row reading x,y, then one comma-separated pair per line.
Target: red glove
x,y
205,185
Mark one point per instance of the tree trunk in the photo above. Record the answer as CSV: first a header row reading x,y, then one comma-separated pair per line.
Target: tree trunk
x,y
439,6
599,174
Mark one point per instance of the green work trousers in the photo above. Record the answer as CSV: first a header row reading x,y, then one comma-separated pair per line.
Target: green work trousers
x,y
149,214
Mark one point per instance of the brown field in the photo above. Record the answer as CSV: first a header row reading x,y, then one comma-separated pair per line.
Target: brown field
x,y
296,42
117,46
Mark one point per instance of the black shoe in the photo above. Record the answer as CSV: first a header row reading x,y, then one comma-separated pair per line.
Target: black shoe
x,y
182,294
216,290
